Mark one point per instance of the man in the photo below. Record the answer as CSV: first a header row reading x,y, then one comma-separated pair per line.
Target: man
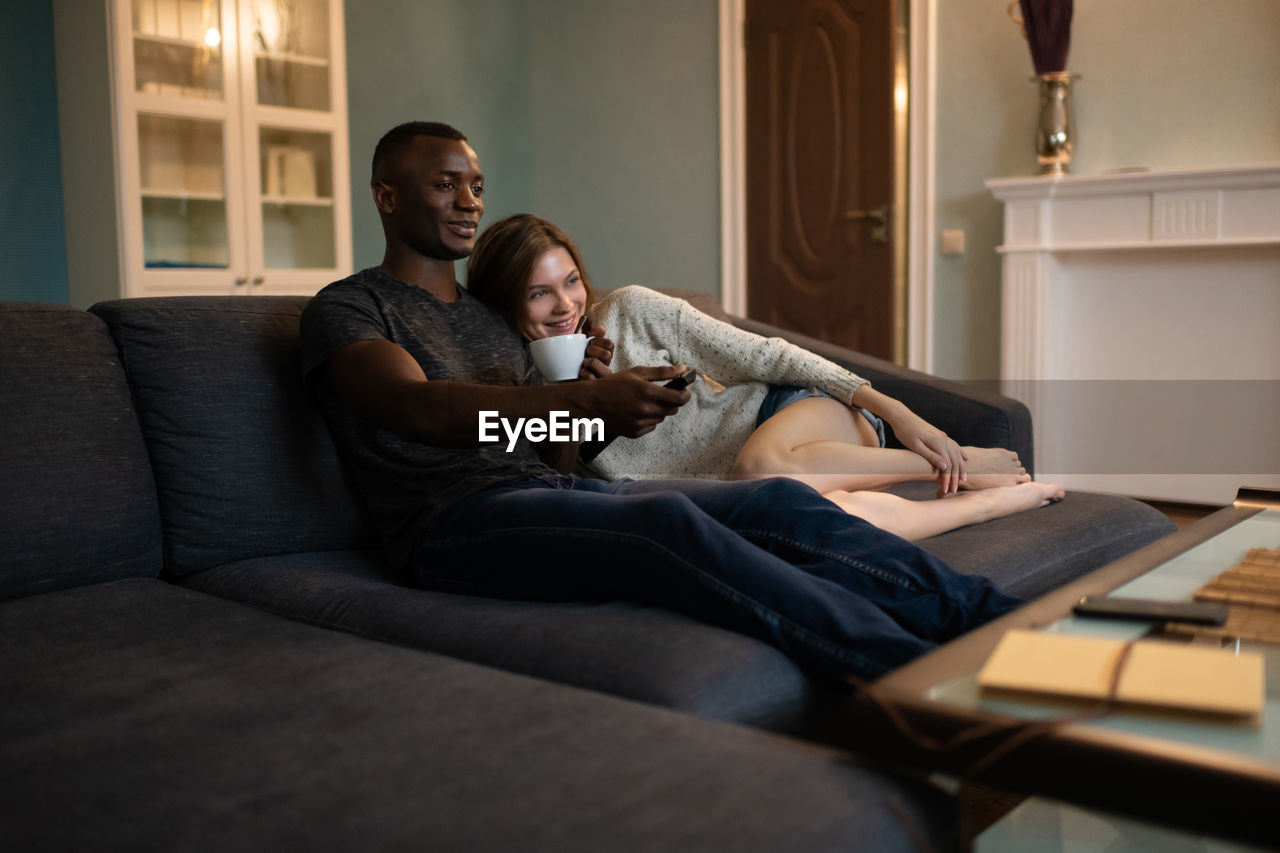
x,y
404,361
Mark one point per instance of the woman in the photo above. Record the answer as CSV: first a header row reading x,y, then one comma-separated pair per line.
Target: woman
x,y
752,413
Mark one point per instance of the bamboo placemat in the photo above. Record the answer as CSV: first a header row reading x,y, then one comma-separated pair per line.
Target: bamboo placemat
x,y
1252,589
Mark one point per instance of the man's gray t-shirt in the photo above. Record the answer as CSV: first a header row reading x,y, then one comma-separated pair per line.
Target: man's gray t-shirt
x,y
406,485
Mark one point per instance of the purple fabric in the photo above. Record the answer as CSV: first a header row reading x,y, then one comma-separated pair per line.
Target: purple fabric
x,y
1048,25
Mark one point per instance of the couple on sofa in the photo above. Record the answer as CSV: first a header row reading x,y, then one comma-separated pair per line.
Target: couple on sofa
x,y
403,360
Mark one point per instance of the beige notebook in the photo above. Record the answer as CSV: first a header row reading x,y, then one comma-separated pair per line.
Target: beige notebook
x,y
1156,673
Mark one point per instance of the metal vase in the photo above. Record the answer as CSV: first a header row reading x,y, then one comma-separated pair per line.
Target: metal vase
x,y
1056,128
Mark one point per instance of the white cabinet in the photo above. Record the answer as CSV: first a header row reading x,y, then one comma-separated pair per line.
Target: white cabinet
x,y
220,164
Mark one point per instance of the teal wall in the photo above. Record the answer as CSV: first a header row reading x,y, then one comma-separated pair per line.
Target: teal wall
x,y
33,257
626,137
463,63
600,115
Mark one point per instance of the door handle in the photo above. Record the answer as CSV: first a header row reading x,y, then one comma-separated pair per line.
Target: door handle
x,y
880,215
879,218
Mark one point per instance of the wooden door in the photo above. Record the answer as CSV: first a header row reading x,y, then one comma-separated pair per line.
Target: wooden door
x,y
820,138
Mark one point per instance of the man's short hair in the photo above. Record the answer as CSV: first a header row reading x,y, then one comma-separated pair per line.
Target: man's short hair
x,y
402,134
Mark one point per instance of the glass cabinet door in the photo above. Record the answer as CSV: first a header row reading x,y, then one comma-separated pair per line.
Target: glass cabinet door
x,y
291,51
180,100
297,199
291,61
177,48
184,201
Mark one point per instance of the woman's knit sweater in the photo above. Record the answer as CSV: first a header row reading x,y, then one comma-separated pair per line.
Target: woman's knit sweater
x,y
704,437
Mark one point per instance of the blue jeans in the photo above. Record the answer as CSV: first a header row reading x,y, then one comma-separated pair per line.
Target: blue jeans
x,y
781,396
771,558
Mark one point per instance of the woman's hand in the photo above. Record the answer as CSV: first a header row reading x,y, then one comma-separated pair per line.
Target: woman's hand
x,y
919,436
941,451
631,402
599,354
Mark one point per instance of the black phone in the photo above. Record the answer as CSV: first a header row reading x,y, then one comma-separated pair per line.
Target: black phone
x,y
682,382
1197,612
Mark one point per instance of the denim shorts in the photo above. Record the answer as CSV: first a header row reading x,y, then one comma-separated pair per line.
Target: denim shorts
x,y
781,396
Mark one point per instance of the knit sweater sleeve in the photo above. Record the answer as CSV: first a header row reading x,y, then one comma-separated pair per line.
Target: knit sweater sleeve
x,y
731,355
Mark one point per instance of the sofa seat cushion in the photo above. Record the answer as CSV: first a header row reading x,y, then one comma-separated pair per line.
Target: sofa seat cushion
x,y
1032,552
79,504
644,653
652,654
139,715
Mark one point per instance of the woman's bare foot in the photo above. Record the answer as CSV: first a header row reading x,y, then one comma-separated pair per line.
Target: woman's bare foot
x,y
916,520
991,468
1000,501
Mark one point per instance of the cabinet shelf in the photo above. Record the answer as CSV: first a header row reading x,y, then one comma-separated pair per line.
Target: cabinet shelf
x,y
297,201
183,265
183,195
295,59
169,41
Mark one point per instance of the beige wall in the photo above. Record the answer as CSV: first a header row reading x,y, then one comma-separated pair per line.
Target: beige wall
x,y
1166,84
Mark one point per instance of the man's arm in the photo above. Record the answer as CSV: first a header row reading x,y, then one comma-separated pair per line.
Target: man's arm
x,y
558,454
383,384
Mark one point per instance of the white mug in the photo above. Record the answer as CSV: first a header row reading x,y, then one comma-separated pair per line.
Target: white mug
x,y
559,357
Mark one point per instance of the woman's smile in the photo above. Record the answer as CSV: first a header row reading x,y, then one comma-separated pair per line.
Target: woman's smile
x,y
567,326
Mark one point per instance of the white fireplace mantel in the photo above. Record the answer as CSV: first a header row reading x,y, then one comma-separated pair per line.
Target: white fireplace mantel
x,y
1113,284
1237,206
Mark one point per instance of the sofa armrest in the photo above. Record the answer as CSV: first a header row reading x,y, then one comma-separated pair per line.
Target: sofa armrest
x,y
968,412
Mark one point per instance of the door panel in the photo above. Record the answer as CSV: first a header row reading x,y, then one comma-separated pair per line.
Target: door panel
x,y
820,169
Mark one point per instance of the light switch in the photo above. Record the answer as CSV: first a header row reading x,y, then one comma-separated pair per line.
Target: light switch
x,y
952,241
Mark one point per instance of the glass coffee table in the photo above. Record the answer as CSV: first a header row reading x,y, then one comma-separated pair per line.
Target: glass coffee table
x,y
1206,775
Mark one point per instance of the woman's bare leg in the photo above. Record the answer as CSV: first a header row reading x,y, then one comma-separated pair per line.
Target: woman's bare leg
x,y
915,520
830,446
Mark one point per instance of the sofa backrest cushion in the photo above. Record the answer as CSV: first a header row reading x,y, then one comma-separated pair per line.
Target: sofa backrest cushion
x,y
244,463
77,505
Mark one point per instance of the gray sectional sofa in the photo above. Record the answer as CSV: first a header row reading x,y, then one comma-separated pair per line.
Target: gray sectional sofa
x,y
203,648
